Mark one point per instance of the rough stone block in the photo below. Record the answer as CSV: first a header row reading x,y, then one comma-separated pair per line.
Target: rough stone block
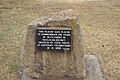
x,y
54,65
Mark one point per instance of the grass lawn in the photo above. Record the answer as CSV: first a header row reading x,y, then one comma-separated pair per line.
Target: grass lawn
x,y
100,21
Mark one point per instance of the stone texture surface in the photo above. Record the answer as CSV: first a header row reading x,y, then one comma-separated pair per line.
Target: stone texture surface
x,y
58,64
54,65
93,68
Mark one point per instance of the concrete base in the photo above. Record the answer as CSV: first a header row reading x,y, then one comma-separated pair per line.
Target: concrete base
x,y
93,68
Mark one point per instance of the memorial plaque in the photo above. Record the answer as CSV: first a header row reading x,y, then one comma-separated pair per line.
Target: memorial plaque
x,y
53,39
54,48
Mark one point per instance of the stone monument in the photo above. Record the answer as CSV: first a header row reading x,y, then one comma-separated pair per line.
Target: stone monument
x,y
53,49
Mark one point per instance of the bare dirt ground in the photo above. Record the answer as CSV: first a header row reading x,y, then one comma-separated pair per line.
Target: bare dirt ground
x,y
100,21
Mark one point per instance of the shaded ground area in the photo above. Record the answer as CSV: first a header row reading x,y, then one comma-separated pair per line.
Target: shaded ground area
x,y
100,21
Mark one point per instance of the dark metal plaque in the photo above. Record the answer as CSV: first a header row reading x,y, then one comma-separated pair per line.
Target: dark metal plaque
x,y
53,39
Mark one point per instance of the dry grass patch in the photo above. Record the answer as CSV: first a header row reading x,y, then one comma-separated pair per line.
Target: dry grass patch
x,y
100,22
